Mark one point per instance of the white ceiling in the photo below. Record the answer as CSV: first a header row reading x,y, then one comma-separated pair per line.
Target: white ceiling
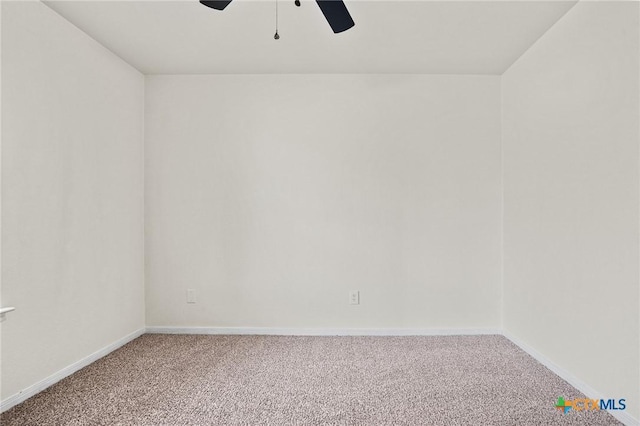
x,y
435,37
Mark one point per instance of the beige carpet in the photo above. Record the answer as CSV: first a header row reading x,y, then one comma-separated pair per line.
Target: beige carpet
x,y
270,380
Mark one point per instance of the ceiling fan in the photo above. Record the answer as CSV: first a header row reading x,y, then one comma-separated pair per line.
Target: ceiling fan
x,y
334,11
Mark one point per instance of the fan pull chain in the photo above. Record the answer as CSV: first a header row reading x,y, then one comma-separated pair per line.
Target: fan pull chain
x,y
276,35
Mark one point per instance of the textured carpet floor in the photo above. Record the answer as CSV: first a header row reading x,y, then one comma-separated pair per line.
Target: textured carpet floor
x,y
273,380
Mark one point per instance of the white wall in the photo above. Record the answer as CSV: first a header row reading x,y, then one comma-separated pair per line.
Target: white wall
x,y
72,195
274,195
570,114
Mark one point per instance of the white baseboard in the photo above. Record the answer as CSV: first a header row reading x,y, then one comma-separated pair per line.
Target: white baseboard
x,y
621,416
27,393
275,331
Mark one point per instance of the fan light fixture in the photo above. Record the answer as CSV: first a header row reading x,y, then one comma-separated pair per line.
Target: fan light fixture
x,y
334,11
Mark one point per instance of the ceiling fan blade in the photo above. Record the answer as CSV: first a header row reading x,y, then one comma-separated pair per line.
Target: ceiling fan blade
x,y
337,15
216,4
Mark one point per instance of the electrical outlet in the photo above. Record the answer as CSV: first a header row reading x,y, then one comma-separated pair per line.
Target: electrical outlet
x,y
354,297
191,296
